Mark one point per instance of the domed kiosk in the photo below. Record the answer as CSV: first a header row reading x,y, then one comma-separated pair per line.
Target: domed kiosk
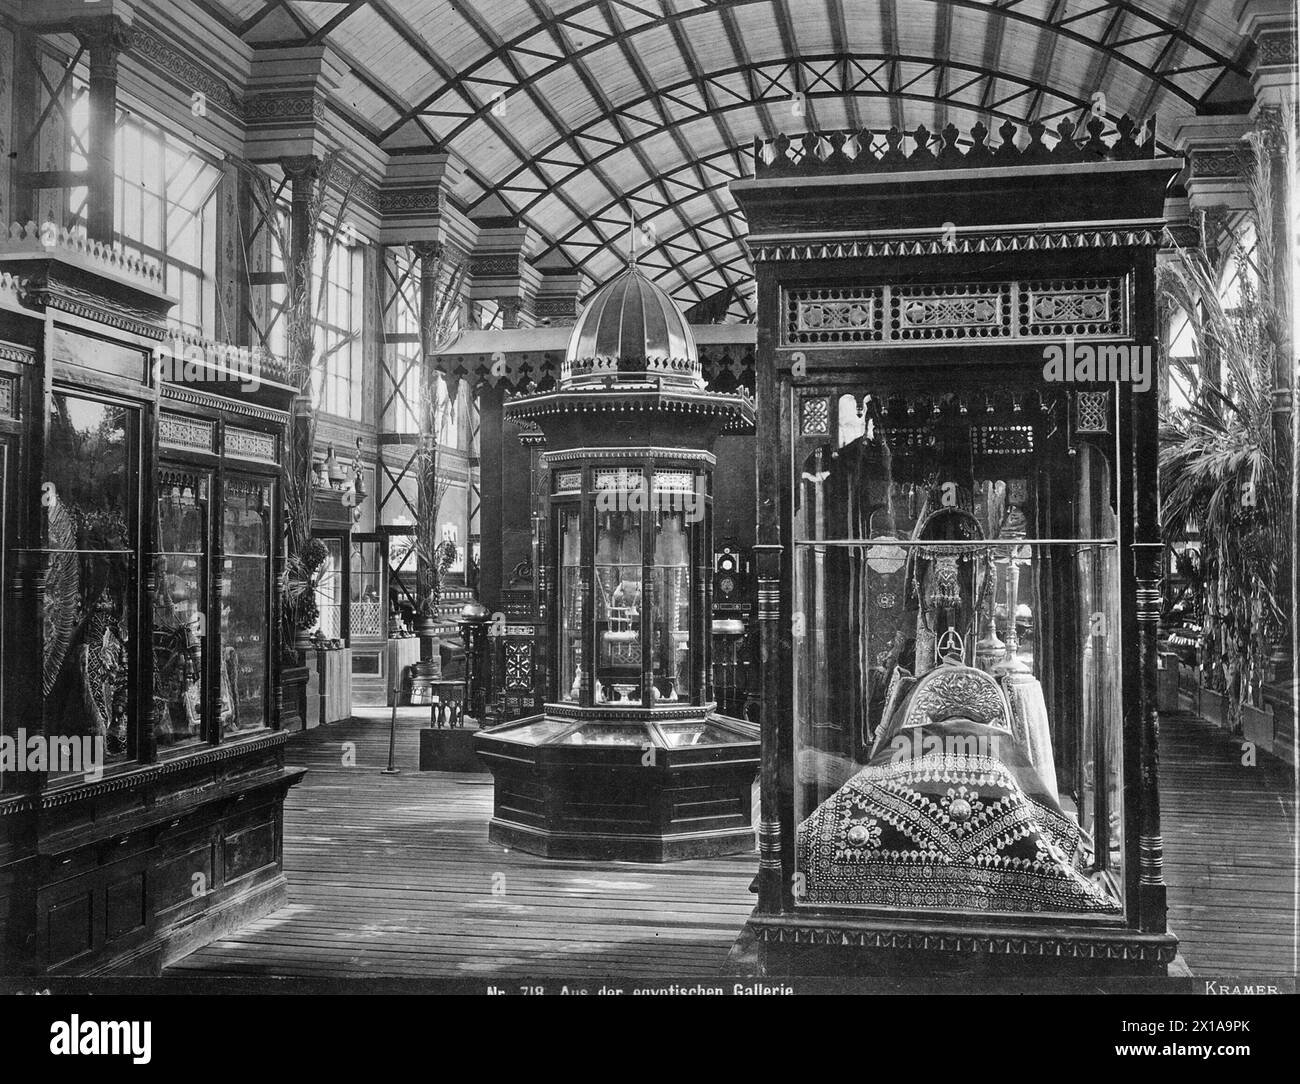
x,y
629,759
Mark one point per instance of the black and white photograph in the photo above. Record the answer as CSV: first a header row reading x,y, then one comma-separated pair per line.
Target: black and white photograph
x,y
649,498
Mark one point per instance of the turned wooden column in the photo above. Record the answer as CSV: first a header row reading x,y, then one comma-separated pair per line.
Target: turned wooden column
x,y
105,40
430,255
491,573
772,446
1147,549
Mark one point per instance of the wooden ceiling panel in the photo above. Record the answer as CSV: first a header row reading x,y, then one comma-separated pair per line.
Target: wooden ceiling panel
x,y
439,25
359,96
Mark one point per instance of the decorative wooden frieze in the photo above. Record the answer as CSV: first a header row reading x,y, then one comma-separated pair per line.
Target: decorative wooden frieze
x,y
1092,412
1276,47
184,71
814,417
250,444
262,109
617,478
183,394
674,481
950,312
24,355
835,314
988,440
1000,311
1204,162
519,665
1082,946
190,434
934,243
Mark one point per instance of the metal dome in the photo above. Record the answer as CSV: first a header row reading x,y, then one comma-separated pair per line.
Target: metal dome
x,y
631,326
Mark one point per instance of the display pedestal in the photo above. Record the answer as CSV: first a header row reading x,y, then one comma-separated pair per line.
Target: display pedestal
x,y
398,655
293,697
576,783
450,749
329,694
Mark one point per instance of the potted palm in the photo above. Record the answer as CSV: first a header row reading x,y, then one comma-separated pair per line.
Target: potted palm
x,y
1222,470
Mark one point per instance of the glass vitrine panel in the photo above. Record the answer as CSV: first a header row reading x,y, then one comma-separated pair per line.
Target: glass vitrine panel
x,y
618,576
641,605
570,648
957,700
695,732
670,611
630,734
245,603
538,733
179,621
89,602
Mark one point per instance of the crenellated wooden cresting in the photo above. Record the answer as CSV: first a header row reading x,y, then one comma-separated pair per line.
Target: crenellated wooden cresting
x,y
864,150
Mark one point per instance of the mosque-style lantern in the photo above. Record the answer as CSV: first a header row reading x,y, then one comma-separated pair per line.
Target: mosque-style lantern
x,y
630,758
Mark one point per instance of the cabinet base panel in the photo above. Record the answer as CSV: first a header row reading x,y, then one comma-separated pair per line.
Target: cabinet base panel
x,y
776,946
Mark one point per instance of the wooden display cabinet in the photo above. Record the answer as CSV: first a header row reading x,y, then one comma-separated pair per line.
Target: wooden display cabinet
x,y
958,541
141,522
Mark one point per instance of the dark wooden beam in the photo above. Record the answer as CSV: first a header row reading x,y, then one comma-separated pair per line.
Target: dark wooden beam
x,y
104,39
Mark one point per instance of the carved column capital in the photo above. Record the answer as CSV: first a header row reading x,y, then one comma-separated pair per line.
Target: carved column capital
x,y
300,168
428,253
105,38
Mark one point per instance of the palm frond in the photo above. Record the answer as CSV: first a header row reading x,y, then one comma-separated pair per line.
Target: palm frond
x,y
1220,472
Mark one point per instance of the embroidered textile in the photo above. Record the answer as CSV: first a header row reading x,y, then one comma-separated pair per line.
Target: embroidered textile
x,y
951,816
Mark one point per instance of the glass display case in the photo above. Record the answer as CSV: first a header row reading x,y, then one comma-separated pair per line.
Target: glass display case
x,y
973,560
644,552
138,553
957,561
245,603
180,607
630,759
90,633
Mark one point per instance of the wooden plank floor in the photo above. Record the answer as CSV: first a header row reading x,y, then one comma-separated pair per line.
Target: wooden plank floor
x,y
394,876
1229,851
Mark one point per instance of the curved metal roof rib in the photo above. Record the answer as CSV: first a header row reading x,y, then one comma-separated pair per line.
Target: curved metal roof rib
x,y
611,109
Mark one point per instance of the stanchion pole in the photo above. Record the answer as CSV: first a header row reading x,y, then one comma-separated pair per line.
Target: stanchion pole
x,y
392,768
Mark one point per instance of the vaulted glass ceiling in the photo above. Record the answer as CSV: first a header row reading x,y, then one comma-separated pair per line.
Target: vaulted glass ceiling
x,y
574,115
